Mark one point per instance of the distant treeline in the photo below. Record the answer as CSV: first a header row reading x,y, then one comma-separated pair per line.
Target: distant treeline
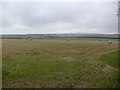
x,y
58,37
101,37
61,36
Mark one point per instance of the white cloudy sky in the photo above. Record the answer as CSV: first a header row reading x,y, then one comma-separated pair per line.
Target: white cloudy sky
x,y
58,17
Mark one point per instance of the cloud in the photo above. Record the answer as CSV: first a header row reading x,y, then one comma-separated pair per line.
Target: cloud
x,y
54,17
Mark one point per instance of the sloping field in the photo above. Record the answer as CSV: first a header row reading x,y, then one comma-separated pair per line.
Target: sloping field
x,y
59,64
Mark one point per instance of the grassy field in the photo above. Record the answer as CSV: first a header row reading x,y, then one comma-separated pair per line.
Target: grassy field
x,y
59,64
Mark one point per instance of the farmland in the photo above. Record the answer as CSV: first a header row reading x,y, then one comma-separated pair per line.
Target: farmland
x,y
59,63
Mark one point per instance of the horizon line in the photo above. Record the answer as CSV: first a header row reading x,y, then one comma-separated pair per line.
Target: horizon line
x,y
51,33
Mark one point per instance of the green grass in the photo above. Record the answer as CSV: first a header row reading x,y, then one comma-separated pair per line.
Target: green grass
x,y
90,39
110,58
59,64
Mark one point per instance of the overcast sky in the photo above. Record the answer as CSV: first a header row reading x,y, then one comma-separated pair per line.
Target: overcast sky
x,y
59,17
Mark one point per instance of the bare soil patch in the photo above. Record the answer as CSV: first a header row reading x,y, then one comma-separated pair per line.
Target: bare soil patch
x,y
108,68
68,59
